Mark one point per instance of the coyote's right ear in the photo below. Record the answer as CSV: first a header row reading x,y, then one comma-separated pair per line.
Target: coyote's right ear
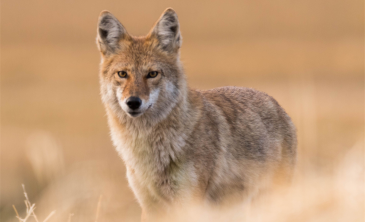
x,y
110,32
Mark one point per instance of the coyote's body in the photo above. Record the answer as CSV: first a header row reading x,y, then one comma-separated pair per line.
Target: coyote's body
x,y
181,145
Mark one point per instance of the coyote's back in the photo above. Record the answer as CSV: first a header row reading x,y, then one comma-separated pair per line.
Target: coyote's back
x,y
180,145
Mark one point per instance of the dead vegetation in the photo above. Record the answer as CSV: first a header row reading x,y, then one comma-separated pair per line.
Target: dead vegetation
x,y
313,196
30,210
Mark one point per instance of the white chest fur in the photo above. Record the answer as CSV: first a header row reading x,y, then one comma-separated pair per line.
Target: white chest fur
x,y
156,169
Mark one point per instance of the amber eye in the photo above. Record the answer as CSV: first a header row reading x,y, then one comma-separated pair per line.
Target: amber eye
x,y
152,74
122,74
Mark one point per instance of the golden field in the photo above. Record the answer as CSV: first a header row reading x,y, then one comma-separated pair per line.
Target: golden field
x,y
309,55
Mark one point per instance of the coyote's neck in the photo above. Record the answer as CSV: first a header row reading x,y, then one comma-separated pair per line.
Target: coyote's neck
x,y
155,150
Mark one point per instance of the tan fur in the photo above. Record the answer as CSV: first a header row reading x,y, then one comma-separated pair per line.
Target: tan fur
x,y
212,147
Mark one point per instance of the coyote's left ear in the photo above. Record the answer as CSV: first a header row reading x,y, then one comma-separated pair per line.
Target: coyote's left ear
x,y
167,31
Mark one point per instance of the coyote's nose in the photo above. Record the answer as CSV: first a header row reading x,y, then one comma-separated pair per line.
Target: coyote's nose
x,y
134,102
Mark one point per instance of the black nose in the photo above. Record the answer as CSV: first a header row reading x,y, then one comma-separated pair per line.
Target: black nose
x,y
134,102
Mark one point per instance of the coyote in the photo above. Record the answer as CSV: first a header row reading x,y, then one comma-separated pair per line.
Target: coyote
x,y
178,144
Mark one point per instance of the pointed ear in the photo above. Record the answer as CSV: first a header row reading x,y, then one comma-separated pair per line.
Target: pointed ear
x,y
167,31
110,32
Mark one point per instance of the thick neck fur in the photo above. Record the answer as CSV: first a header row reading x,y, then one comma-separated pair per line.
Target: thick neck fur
x,y
152,149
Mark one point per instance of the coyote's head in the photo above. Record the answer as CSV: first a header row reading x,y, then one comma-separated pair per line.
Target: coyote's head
x,y
140,76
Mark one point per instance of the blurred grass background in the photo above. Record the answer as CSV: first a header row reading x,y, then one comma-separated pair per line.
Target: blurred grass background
x,y
309,55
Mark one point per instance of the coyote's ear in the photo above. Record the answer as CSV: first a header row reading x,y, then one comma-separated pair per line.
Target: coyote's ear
x,y
167,31
110,32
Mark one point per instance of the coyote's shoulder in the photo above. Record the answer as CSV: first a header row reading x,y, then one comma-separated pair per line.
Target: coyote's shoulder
x,y
179,144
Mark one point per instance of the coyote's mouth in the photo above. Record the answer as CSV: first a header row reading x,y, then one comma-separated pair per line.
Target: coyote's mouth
x,y
138,113
134,114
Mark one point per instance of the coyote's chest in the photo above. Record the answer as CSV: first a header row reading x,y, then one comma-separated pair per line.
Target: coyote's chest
x,y
155,164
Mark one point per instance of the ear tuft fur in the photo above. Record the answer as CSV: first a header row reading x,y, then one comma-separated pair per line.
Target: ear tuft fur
x,y
110,32
167,31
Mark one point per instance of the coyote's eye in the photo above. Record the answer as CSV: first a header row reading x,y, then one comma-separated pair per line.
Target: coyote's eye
x,y
152,74
122,74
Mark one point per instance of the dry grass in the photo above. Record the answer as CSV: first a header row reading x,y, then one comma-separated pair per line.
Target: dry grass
x,y
30,210
313,196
